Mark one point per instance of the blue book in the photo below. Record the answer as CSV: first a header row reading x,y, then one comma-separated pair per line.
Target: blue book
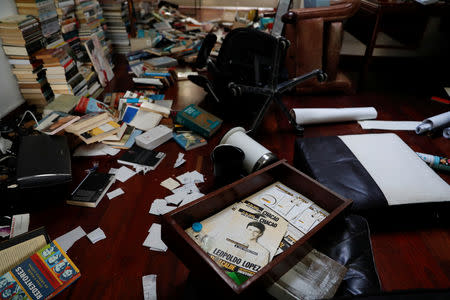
x,y
129,113
132,139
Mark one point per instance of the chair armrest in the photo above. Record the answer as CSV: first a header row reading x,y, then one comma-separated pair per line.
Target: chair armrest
x,y
337,11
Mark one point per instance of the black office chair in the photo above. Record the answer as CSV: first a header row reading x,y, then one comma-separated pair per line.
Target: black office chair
x,y
248,64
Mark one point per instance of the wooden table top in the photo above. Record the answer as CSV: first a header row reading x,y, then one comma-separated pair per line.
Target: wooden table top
x,y
113,268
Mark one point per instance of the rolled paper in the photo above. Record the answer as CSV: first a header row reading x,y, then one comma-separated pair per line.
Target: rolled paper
x,y
447,133
305,116
256,155
434,123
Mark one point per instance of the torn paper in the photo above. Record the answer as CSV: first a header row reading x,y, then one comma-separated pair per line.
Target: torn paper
x,y
66,241
115,193
96,235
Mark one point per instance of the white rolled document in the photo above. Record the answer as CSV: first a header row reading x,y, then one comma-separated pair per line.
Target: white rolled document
x,y
446,133
434,123
305,116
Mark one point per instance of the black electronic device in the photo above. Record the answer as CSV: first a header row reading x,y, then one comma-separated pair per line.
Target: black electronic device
x,y
43,160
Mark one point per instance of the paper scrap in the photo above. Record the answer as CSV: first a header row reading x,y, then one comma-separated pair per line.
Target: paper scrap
x,y
66,240
149,286
170,183
113,171
153,240
160,207
175,198
124,173
5,145
180,160
95,149
447,90
115,193
96,235
191,197
389,125
186,189
197,177
190,177
19,224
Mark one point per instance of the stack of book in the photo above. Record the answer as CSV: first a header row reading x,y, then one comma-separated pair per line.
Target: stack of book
x,y
62,72
69,30
117,19
45,10
91,78
22,37
89,16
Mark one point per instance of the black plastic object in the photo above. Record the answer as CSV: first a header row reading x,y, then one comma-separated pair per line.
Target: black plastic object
x,y
228,161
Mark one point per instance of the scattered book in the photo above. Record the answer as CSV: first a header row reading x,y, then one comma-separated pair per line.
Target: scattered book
x,y
154,137
162,62
189,140
145,120
198,120
55,122
41,276
99,133
63,103
92,189
140,156
156,108
87,122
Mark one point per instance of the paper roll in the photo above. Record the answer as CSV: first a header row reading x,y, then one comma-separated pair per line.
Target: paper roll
x,y
447,133
434,123
305,116
254,152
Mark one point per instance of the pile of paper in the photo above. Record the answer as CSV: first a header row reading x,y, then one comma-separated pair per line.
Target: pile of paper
x,y
181,195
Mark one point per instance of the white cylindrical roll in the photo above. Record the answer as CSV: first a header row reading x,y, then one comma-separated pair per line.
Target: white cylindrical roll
x,y
434,123
446,133
252,149
305,116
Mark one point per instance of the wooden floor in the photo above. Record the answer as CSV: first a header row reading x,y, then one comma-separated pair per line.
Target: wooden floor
x,y
112,269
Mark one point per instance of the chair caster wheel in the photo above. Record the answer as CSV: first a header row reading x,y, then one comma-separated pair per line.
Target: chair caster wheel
x,y
322,77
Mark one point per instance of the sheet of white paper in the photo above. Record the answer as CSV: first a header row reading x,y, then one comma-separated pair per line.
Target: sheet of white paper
x,y
389,125
170,183
175,198
96,235
95,149
331,115
112,171
19,224
191,197
66,240
153,239
197,177
115,193
184,178
123,174
146,120
156,204
149,286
